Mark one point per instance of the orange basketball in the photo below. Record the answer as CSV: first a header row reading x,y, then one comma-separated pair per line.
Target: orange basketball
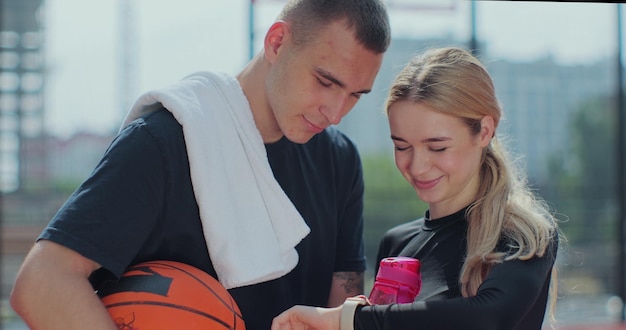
x,y
170,295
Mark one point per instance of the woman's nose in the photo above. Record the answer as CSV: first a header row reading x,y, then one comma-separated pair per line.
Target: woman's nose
x,y
420,163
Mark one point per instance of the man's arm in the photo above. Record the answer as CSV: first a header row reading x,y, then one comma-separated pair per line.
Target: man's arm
x,y
52,290
345,285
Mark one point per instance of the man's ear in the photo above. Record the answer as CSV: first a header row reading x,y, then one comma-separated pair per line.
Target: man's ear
x,y
487,130
274,39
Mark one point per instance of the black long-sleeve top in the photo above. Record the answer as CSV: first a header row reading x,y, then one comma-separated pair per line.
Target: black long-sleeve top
x,y
513,296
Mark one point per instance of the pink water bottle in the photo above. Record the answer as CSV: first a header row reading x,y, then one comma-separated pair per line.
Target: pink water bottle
x,y
398,281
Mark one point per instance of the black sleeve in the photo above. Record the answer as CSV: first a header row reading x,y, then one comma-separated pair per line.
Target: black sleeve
x,y
506,297
109,216
350,246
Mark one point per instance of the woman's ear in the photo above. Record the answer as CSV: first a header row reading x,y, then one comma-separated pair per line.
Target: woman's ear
x,y
274,39
487,130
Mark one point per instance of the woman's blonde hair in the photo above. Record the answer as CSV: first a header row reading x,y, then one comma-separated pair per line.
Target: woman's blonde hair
x,y
454,82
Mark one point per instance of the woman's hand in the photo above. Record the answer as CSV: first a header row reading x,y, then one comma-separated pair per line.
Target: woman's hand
x,y
308,318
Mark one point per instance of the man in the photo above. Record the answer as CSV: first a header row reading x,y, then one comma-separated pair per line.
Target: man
x,y
157,193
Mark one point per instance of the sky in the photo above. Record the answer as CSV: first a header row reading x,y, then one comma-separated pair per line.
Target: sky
x,y
171,39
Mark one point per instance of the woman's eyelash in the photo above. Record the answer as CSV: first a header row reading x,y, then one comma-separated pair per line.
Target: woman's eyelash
x,y
399,148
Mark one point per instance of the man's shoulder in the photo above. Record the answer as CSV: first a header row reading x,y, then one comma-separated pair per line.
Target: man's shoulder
x,y
161,117
158,116
159,122
159,126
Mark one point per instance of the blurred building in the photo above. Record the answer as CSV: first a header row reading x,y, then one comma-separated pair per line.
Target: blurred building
x,y
22,139
539,99
73,159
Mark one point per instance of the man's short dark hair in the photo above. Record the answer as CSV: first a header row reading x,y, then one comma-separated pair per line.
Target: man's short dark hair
x,y
368,19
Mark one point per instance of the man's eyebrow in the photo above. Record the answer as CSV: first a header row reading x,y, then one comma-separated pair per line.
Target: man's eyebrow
x,y
329,76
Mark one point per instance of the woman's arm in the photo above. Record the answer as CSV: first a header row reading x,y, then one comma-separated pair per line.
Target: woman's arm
x,y
508,293
510,290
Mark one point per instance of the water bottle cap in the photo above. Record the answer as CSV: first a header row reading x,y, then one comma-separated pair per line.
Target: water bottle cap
x,y
407,263
403,270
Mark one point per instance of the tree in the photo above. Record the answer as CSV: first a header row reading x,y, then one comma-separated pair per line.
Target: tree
x,y
389,200
594,177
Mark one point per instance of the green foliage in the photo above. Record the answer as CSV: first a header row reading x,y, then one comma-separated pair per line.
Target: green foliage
x,y
584,186
389,200
65,187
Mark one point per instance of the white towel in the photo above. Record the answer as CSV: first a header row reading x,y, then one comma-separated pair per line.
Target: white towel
x,y
250,225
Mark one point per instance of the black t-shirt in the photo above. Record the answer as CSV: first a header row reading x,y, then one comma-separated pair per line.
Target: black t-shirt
x,y
513,296
139,205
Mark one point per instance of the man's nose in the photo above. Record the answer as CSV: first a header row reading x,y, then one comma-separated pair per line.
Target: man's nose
x,y
336,109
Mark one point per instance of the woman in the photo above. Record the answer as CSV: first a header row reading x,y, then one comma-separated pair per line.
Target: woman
x,y
486,243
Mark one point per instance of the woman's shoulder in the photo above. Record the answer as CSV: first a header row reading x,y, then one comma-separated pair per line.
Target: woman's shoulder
x,y
405,230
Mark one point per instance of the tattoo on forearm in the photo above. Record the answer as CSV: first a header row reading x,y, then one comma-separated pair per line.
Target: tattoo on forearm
x,y
351,282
